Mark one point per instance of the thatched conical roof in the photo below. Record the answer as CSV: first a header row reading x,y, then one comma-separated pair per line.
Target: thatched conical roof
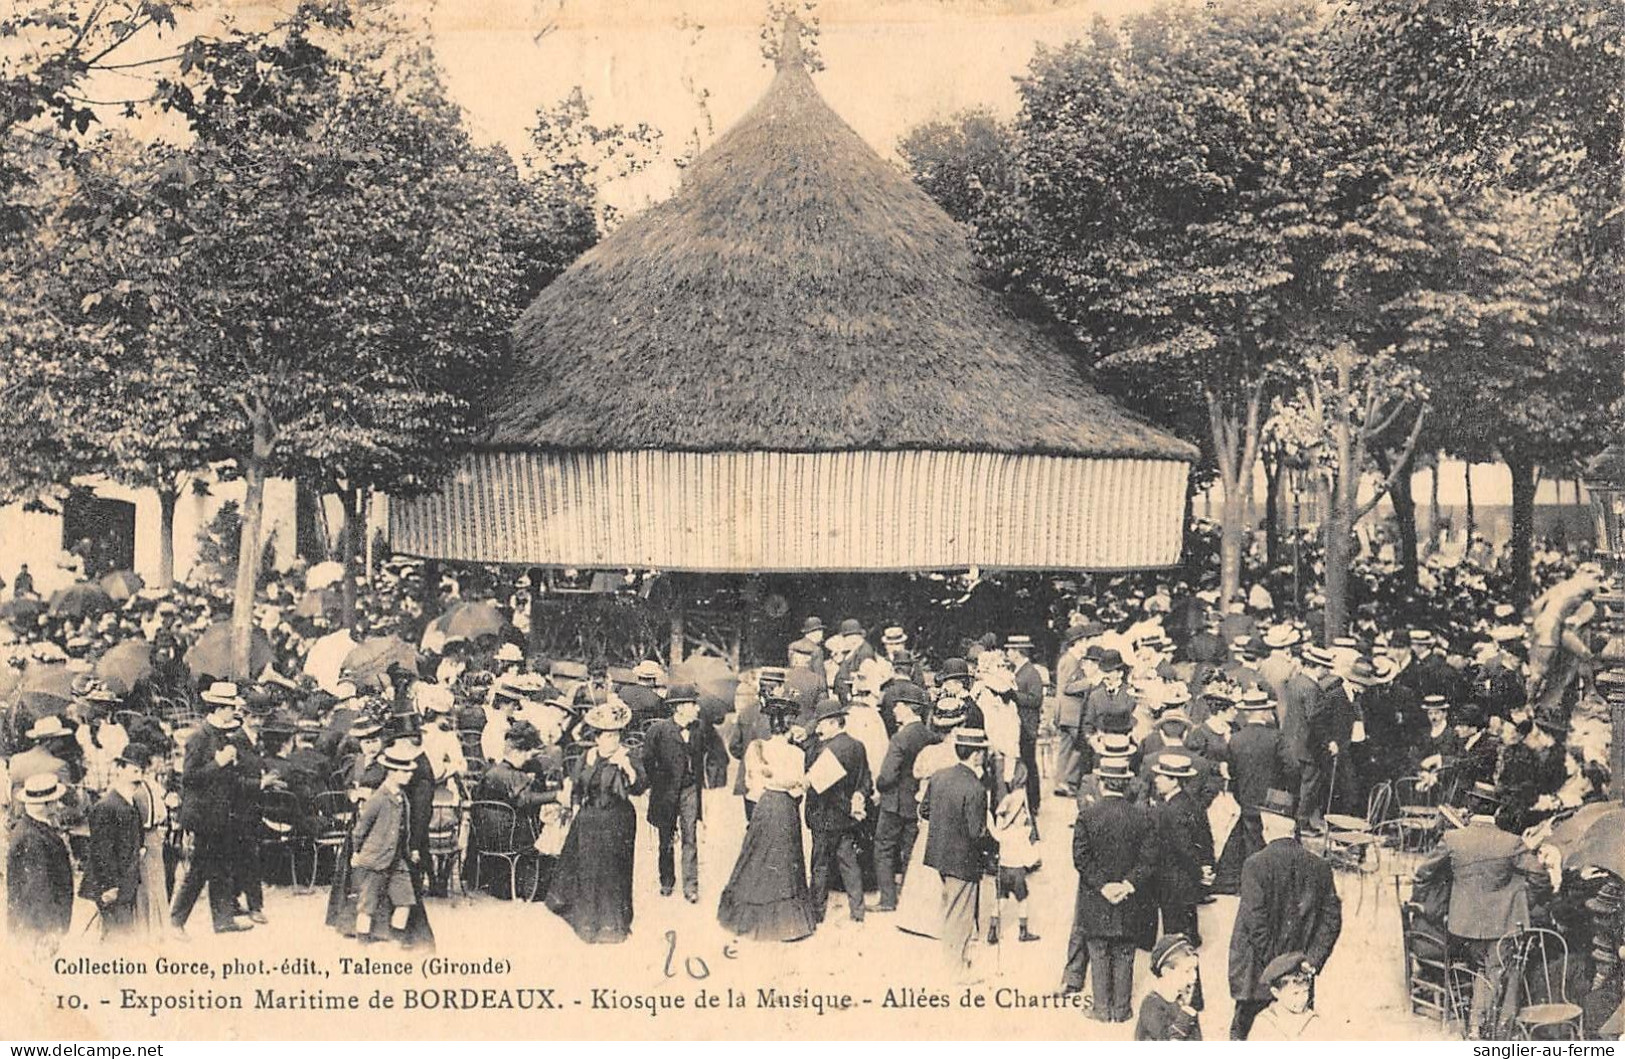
x,y
797,293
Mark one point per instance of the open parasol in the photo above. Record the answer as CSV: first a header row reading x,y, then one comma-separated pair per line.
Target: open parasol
x,y
324,574
124,664
367,664
325,660
83,600
464,621
120,585
1592,838
211,654
24,613
46,687
713,679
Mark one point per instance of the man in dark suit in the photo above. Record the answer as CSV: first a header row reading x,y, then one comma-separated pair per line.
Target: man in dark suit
x,y
1184,845
1292,712
1029,709
1114,848
210,779
956,806
898,827
1490,874
809,649
644,696
835,812
113,861
1288,904
674,757
1073,682
1254,757
1429,672
39,872
247,812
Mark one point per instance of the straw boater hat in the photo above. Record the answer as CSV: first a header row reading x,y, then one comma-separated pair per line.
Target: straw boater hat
x,y
221,694
1316,655
609,716
49,727
1282,636
1113,768
973,738
1019,642
396,759
41,788
648,674
894,635
1115,744
510,652
1435,702
1179,766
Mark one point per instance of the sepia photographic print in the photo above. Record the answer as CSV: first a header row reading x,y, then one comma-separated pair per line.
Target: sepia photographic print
x,y
812,520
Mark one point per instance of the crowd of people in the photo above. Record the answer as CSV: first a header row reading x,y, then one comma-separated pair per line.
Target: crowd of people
x,y
412,746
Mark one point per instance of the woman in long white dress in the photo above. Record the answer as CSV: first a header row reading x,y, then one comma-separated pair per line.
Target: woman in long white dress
x,y
919,903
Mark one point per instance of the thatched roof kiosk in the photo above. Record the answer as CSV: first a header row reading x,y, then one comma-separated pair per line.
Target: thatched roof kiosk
x,y
790,366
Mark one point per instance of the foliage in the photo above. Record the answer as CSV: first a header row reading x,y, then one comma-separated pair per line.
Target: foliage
x,y
571,157
779,12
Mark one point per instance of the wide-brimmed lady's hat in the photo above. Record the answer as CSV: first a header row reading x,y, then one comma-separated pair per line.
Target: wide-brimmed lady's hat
x,y
610,716
366,729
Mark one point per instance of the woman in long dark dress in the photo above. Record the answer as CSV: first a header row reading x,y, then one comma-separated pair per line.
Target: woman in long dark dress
x,y
592,883
766,898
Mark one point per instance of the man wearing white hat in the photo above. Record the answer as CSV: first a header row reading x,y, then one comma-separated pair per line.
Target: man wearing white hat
x,y
1278,666
210,777
39,872
51,736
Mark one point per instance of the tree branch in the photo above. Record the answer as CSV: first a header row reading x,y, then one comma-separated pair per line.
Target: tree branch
x,y
1398,465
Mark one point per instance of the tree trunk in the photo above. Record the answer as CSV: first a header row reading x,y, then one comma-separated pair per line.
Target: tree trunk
x,y
1472,515
1433,505
1520,553
1405,515
1231,513
1235,445
349,499
168,496
1272,509
248,552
